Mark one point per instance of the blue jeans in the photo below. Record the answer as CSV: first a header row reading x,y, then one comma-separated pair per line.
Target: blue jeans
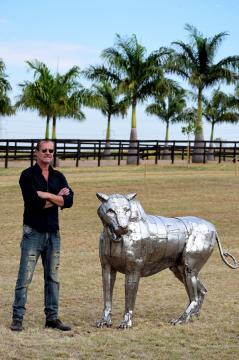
x,y
33,245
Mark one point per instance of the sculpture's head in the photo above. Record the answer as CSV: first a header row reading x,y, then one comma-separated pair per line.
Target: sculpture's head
x,y
115,213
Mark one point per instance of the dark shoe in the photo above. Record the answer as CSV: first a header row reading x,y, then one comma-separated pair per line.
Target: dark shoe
x,y
16,325
57,324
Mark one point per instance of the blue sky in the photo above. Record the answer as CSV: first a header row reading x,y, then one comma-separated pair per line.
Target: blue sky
x,y
74,32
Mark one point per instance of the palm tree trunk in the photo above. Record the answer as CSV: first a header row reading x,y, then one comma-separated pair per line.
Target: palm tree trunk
x,y
133,117
166,135
210,155
212,131
47,127
54,137
107,151
132,158
166,152
197,156
108,130
53,128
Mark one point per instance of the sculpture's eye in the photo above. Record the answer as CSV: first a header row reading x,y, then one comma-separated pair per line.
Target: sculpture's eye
x,y
110,212
126,209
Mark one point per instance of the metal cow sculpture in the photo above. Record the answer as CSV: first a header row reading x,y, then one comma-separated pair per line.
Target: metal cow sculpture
x,y
137,245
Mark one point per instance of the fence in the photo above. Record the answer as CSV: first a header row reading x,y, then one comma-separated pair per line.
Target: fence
x,y
23,149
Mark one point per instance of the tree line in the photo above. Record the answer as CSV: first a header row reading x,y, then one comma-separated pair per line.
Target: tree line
x,y
129,76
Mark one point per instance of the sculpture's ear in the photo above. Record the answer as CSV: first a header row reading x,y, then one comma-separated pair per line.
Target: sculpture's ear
x,y
102,197
130,196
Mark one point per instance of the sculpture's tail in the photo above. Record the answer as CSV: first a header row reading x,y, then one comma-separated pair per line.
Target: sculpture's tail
x,y
225,255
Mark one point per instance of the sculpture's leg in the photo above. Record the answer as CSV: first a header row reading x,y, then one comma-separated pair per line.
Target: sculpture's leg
x,y
131,288
108,279
195,291
201,293
179,273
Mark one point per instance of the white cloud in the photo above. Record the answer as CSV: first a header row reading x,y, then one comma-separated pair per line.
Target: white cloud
x,y
56,55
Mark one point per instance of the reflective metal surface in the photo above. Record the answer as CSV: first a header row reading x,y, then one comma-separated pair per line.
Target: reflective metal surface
x,y
137,245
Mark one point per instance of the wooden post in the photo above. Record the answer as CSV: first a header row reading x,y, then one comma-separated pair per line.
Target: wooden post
x,y
137,152
220,153
122,152
64,150
78,152
172,152
55,150
15,150
182,156
6,154
235,153
156,152
204,152
119,153
32,153
235,157
99,155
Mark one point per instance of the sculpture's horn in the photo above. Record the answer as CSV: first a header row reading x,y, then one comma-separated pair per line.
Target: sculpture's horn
x,y
130,196
102,197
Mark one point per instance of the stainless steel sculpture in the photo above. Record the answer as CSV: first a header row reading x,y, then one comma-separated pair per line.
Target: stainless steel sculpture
x,y
137,244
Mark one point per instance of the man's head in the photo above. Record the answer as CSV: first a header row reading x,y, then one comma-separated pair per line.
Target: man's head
x,y
44,152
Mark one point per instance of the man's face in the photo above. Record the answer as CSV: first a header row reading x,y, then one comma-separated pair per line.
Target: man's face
x,y
45,153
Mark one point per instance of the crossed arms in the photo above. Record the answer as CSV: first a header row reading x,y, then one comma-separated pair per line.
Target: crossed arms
x,y
52,199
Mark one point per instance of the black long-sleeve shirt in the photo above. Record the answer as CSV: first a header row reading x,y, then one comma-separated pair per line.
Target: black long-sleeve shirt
x,y
35,215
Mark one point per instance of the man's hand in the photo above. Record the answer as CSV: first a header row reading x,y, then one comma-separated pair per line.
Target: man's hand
x,y
54,199
64,191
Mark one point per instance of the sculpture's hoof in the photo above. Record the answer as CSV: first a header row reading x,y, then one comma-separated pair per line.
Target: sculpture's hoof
x,y
103,324
177,322
124,326
185,318
181,320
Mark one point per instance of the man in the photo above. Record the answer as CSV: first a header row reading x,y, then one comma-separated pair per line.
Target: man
x,y
44,190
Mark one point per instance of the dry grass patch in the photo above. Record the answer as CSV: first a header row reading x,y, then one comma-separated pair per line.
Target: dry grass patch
x,y
209,191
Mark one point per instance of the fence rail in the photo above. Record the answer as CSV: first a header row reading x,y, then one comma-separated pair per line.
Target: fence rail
x,y
23,149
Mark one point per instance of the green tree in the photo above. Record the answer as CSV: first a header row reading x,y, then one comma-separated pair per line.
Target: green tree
x,y
169,108
195,62
6,107
220,109
106,98
134,73
234,99
67,97
51,95
37,95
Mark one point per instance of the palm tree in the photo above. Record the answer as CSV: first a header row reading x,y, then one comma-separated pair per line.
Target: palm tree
x,y
135,74
235,97
106,98
53,96
169,108
219,109
6,107
195,62
4,83
67,97
38,94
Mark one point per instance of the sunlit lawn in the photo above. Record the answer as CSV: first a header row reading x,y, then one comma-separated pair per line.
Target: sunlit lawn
x,y
208,191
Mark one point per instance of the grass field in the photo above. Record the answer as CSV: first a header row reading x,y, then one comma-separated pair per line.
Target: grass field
x,y
209,191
